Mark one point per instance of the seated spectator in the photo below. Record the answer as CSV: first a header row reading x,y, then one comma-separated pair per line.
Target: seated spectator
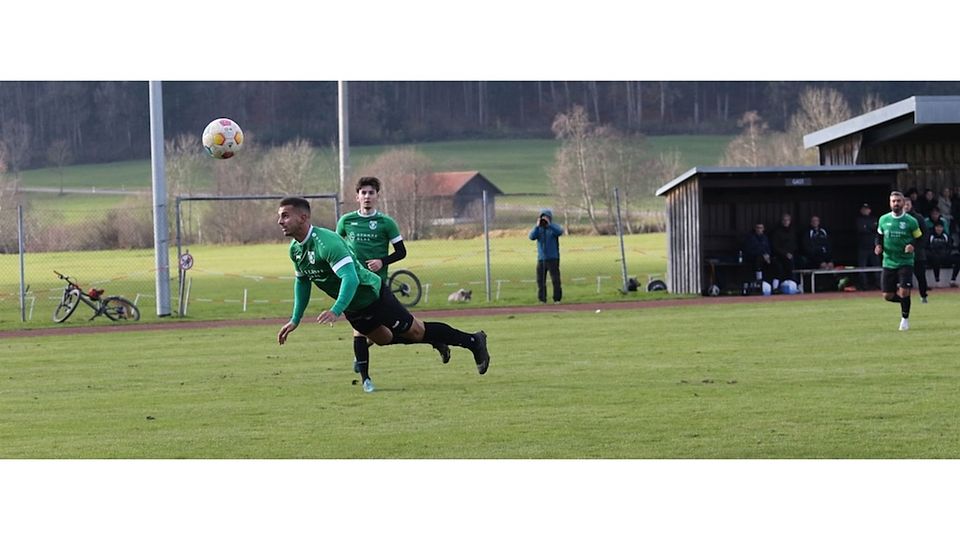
x,y
816,245
783,245
940,253
757,256
937,217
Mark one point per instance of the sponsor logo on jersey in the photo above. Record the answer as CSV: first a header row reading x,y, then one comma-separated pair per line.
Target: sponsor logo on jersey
x,y
311,257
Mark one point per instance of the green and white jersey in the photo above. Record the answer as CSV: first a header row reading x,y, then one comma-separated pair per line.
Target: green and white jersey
x,y
897,233
319,257
369,237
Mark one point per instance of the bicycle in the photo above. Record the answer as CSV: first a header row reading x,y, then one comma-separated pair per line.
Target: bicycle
x,y
405,285
115,308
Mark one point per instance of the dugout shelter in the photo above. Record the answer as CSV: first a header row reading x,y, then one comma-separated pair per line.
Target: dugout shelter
x,y
709,211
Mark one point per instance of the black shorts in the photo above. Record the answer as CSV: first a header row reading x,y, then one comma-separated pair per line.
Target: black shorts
x,y
384,311
891,278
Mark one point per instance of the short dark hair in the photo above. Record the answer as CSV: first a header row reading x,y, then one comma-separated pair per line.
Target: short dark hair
x,y
297,202
371,181
892,193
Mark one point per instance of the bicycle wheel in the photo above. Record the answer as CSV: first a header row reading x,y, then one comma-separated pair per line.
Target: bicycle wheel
x,y
406,287
118,308
67,305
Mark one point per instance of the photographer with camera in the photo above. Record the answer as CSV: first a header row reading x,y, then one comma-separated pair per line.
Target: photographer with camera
x,y
547,234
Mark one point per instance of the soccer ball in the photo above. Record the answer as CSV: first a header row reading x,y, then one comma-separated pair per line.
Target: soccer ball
x,y
222,138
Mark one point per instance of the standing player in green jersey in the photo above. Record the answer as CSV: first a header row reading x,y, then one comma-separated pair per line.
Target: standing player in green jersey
x,y
370,233
320,256
896,233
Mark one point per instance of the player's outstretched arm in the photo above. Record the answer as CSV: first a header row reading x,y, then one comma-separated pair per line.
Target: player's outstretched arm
x,y
285,331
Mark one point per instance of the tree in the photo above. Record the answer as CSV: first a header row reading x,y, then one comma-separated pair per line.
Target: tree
x,y
594,160
59,155
819,108
15,144
403,175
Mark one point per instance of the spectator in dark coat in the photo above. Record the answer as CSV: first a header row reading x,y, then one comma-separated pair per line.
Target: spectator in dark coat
x,y
816,245
756,251
940,253
866,241
783,244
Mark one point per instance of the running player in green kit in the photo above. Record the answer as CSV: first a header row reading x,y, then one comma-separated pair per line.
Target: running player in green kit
x,y
896,233
370,233
321,257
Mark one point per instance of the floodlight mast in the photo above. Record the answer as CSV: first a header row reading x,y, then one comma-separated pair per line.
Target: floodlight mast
x,y
344,121
161,243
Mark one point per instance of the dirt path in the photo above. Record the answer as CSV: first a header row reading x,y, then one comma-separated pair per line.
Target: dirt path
x,y
446,314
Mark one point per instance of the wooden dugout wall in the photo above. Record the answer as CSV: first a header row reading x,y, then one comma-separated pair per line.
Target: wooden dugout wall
x,y
683,238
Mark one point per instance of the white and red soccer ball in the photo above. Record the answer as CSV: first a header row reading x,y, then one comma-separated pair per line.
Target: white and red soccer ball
x,y
222,138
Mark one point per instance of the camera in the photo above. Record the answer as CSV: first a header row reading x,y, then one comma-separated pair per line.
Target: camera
x,y
543,222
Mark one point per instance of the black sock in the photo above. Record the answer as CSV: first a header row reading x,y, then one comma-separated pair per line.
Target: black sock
x,y
400,340
361,352
905,307
438,332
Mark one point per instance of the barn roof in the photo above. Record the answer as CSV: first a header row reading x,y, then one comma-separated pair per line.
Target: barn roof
x,y
897,119
757,171
448,184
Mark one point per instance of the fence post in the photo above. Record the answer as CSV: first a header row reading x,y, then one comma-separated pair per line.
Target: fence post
x,y
623,256
20,244
179,254
486,239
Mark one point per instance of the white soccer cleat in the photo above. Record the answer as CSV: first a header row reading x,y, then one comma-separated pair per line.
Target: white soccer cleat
x,y
368,386
904,324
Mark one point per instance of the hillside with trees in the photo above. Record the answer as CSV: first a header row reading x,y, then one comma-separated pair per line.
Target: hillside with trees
x,y
51,123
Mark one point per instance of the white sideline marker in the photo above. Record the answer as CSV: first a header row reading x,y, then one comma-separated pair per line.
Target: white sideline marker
x,y
598,282
426,293
244,300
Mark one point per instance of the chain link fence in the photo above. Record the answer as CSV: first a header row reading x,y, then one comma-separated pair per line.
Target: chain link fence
x,y
240,266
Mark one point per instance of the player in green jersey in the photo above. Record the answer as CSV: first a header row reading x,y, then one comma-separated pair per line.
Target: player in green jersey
x,y
370,233
322,257
897,231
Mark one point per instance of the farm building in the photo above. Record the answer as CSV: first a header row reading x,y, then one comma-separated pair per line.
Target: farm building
x,y
921,131
710,210
459,196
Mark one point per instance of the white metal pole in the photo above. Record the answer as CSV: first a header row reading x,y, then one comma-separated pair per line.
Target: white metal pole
x,y
623,255
486,239
160,240
23,290
344,121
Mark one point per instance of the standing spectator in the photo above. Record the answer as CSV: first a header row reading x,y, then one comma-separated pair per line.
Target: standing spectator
x,y
866,242
547,234
817,247
946,204
940,253
756,249
783,245
919,250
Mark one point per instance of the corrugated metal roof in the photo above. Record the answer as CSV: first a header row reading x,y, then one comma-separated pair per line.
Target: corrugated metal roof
x,y
809,169
925,110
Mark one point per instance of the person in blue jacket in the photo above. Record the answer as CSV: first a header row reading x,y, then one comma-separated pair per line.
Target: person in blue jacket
x,y
547,234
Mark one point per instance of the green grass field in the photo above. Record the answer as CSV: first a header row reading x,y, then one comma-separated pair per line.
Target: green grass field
x,y
221,274
829,378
